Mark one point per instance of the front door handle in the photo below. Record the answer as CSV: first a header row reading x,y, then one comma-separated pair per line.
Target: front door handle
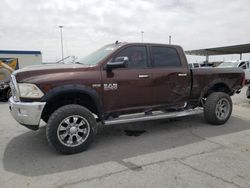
x,y
143,76
182,74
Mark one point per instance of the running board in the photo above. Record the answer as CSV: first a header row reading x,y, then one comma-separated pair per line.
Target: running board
x,y
155,116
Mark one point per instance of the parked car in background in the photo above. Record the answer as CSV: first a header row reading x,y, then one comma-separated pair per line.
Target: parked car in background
x,y
5,91
194,65
240,63
5,72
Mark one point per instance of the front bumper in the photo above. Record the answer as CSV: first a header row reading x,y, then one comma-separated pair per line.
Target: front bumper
x,y
27,113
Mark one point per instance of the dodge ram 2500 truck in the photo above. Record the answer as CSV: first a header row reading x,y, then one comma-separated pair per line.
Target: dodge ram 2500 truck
x,y
142,81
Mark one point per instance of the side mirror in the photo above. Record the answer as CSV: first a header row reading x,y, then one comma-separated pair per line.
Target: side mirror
x,y
120,62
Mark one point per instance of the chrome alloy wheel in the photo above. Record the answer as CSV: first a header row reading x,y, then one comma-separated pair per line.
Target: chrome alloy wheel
x,y
222,109
73,131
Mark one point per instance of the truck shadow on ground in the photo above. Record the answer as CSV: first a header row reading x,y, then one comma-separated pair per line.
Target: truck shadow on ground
x,y
29,154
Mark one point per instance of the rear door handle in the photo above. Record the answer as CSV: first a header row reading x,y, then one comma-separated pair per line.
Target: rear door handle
x,y
143,76
182,74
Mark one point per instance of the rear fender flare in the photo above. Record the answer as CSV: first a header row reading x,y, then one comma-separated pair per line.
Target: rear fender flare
x,y
212,84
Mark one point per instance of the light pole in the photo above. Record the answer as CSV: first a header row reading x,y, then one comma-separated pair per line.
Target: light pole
x,y
142,32
61,27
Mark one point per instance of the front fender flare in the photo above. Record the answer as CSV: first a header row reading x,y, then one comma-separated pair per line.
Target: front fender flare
x,y
78,89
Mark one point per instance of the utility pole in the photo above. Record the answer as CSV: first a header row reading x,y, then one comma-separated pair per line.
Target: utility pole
x,y
169,39
142,32
61,27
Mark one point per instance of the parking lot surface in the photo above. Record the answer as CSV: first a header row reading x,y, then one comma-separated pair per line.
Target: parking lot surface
x,y
183,152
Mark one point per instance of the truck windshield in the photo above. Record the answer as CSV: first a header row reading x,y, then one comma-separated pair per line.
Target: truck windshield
x,y
228,64
95,57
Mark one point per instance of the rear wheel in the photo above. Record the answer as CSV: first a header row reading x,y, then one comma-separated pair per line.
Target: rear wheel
x,y
218,108
71,128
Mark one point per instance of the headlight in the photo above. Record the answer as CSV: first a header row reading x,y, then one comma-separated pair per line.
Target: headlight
x,y
29,91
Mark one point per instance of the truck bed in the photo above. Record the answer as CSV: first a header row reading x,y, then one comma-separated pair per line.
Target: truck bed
x,y
205,78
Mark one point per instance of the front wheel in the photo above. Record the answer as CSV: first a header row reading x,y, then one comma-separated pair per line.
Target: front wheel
x,y
218,108
70,129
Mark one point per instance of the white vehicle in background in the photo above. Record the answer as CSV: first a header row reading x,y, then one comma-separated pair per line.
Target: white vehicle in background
x,y
194,65
240,63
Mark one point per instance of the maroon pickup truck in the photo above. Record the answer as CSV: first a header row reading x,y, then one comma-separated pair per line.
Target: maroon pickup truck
x,y
119,83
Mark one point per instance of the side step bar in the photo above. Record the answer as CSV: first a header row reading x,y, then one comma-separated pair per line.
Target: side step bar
x,y
155,116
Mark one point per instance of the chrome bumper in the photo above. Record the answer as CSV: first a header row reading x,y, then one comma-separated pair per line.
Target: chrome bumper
x,y
27,113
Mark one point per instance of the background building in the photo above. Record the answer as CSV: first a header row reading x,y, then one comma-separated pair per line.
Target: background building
x,y
24,58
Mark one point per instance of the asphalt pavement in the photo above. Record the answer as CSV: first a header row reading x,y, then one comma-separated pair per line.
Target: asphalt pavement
x,y
182,152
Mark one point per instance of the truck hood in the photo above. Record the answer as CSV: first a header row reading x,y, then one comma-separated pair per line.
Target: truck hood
x,y
50,66
32,73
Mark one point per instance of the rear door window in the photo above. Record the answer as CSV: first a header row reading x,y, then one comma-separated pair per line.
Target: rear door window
x,y
165,57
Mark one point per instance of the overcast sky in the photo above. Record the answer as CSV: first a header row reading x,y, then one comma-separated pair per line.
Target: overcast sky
x,y
90,24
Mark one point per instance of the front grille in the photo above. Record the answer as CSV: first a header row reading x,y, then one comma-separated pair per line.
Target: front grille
x,y
14,89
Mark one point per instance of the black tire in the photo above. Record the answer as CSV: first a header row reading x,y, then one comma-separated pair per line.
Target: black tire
x,y
60,120
214,110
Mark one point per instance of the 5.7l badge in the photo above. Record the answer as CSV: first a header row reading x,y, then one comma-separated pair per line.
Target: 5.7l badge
x,y
111,86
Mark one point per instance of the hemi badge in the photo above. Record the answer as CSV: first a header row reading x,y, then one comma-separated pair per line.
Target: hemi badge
x,y
96,85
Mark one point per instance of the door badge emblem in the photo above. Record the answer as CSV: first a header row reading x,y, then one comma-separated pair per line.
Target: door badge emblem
x,y
111,86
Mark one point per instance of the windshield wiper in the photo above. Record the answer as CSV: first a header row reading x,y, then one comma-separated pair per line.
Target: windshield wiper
x,y
68,57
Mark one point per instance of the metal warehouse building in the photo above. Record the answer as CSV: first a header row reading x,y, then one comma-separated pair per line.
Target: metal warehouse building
x,y
25,58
